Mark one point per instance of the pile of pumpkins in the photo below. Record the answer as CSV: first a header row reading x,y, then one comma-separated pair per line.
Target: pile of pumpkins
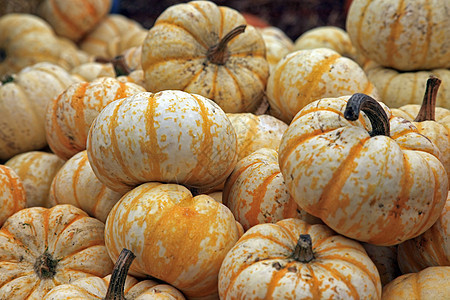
x,y
207,158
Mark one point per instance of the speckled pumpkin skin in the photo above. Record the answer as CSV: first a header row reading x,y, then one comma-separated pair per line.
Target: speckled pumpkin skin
x,y
176,237
278,44
381,190
62,233
174,56
70,115
402,34
304,76
12,193
170,136
260,266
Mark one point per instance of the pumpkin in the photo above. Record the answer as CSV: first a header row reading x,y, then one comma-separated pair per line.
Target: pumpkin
x,y
176,237
170,136
70,115
36,170
92,70
431,248
304,76
397,89
255,191
205,49
12,193
292,259
256,131
331,37
369,176
385,259
401,34
41,248
113,35
75,183
428,122
27,39
23,103
278,44
431,283
132,57
115,286
73,19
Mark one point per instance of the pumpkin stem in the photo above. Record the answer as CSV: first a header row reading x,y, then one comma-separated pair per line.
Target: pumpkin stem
x,y
7,78
45,266
119,275
2,55
119,64
217,54
373,110
303,250
426,112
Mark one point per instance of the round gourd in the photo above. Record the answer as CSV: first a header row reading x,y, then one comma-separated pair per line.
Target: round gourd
x,y
70,115
92,70
255,191
117,286
431,248
295,260
74,19
401,34
176,237
76,184
12,193
278,44
205,49
23,103
304,76
170,136
41,248
431,283
36,170
367,175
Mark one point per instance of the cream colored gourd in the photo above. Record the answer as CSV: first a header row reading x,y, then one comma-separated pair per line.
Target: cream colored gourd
x,y
278,44
170,136
12,193
75,183
23,104
92,70
205,49
401,34
304,76
36,170
70,115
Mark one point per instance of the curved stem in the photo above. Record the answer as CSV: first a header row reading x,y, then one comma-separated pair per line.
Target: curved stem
x,y
373,110
303,250
217,54
426,112
119,275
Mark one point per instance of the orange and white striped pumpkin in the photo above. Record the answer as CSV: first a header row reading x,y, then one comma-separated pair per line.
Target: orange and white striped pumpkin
x,y
202,48
304,76
169,136
12,193
23,103
75,183
295,260
176,237
36,170
74,19
371,177
255,191
401,34
278,44
41,248
70,115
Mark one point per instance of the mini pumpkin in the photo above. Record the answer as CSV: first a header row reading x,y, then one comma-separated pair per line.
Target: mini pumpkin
x,y
92,70
170,136
278,44
41,248
205,49
295,260
367,175
13,197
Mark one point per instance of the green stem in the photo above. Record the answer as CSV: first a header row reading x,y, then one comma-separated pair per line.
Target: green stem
x,y
119,275
218,53
426,112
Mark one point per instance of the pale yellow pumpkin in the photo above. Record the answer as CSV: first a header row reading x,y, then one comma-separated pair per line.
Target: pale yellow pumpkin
x,y
169,136
304,76
92,70
23,104
36,170
205,49
13,197
401,34
278,44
